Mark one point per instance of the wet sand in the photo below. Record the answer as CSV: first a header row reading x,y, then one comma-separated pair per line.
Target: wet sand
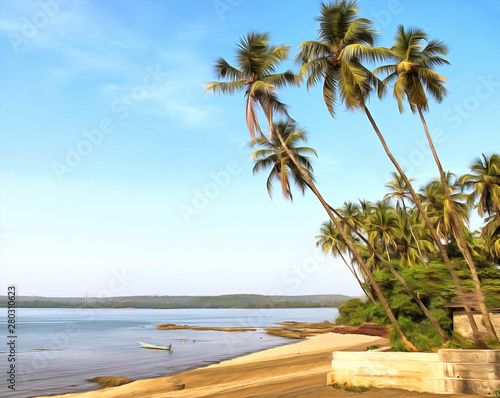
x,y
291,371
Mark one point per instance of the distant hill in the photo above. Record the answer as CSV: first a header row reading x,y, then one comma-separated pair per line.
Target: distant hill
x,y
225,301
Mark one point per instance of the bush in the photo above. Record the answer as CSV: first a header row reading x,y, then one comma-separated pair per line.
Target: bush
x,y
351,313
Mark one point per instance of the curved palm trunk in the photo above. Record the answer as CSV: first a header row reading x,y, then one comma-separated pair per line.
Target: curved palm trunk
x,y
400,279
462,244
432,230
351,268
413,233
409,346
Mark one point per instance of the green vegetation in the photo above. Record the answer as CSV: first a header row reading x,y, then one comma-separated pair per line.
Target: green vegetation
x,y
171,302
346,387
412,251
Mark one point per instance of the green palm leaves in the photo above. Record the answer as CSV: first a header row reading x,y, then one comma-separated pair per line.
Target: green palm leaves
x,y
344,42
412,73
274,156
255,73
485,184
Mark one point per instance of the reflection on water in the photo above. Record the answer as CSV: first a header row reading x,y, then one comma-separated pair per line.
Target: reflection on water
x,y
59,349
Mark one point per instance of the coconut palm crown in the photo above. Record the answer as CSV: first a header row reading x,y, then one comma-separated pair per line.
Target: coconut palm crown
x,y
485,184
412,72
273,156
344,42
255,73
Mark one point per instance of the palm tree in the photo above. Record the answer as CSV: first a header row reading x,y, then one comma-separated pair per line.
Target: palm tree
x,y
439,201
257,61
345,41
331,241
256,56
485,184
382,227
399,193
370,253
491,237
413,75
274,156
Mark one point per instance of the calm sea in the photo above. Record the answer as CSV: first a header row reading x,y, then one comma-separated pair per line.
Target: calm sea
x,y
59,349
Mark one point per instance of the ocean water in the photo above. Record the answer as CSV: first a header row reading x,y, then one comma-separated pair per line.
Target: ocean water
x,y
59,349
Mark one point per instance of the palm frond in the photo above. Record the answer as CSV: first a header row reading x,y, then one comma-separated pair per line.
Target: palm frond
x,y
311,50
226,71
224,87
434,47
330,91
366,53
281,80
314,70
275,55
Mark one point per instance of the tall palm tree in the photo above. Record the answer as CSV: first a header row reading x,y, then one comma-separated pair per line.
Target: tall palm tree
x,y
255,55
413,76
331,241
255,73
274,156
346,41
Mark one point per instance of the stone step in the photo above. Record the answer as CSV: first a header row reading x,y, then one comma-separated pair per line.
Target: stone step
x,y
484,371
410,383
386,356
438,385
370,367
463,386
469,356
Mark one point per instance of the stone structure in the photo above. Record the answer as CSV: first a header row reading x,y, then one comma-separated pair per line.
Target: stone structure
x,y
444,372
461,322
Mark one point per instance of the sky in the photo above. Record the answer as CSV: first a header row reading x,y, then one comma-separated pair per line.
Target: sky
x,y
118,176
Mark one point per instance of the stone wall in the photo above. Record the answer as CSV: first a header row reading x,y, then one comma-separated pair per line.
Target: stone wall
x,y
444,372
461,323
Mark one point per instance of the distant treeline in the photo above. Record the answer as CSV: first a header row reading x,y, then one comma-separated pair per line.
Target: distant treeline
x,y
172,302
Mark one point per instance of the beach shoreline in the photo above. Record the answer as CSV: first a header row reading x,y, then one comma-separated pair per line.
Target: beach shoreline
x,y
292,370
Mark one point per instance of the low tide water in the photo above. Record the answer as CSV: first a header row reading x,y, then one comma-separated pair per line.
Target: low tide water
x,y
58,350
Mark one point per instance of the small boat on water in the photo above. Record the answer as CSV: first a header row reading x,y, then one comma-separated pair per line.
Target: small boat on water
x,y
156,346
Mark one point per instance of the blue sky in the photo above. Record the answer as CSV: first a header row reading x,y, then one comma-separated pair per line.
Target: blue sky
x,y
107,139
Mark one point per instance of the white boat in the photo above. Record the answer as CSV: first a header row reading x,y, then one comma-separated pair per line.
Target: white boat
x,y
156,346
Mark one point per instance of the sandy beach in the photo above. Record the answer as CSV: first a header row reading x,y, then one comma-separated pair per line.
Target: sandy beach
x,y
292,371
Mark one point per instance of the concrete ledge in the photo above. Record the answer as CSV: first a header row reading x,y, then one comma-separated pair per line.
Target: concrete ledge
x,y
445,372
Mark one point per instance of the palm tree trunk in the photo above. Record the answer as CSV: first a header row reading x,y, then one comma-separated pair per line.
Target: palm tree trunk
x,y
462,244
432,230
378,291
367,292
399,278
413,233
